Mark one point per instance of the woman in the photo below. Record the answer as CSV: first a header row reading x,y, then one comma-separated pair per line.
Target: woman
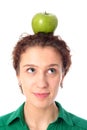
x,y
41,62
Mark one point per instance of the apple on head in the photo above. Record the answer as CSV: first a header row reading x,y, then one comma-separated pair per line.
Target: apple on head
x,y
44,22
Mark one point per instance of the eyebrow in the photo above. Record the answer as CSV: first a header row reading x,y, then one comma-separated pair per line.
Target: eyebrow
x,y
51,65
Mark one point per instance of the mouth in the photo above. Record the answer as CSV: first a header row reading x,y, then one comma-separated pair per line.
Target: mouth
x,y
41,95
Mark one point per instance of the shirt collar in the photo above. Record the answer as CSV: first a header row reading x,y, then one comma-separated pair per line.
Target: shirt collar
x,y
64,115
18,114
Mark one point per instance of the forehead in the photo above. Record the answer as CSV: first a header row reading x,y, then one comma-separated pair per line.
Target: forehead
x,y
41,50
41,55
44,48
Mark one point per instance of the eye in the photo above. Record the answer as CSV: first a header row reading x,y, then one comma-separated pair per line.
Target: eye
x,y
52,71
31,70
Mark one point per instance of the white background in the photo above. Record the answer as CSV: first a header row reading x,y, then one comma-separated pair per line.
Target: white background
x,y
15,19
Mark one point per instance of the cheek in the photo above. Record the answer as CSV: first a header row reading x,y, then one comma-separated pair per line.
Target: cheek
x,y
54,86
25,80
55,82
54,90
26,84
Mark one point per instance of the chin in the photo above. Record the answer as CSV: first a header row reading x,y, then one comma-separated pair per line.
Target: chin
x,y
43,104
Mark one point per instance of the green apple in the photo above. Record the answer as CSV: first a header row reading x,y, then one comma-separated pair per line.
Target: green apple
x,y
44,22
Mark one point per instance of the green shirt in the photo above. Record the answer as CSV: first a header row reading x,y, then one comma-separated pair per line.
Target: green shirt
x,y
65,121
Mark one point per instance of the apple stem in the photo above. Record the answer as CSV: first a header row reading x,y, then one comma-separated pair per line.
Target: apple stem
x,y
46,13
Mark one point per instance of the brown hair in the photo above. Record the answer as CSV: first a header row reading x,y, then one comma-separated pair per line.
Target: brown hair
x,y
43,40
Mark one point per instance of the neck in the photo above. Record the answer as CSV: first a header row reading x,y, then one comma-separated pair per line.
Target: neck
x,y
40,116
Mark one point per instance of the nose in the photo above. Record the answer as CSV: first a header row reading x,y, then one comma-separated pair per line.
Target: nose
x,y
42,81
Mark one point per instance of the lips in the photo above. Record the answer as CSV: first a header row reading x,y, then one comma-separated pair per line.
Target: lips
x,y
41,95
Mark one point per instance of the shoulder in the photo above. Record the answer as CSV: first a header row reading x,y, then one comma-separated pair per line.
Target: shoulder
x,y
11,118
78,121
71,120
4,119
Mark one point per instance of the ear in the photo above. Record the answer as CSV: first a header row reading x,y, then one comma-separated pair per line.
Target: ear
x,y
61,84
18,77
20,84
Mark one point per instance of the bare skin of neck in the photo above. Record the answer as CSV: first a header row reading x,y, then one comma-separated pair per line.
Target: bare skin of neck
x,y
38,118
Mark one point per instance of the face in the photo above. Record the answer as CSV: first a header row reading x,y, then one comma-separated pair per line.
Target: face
x,y
40,75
